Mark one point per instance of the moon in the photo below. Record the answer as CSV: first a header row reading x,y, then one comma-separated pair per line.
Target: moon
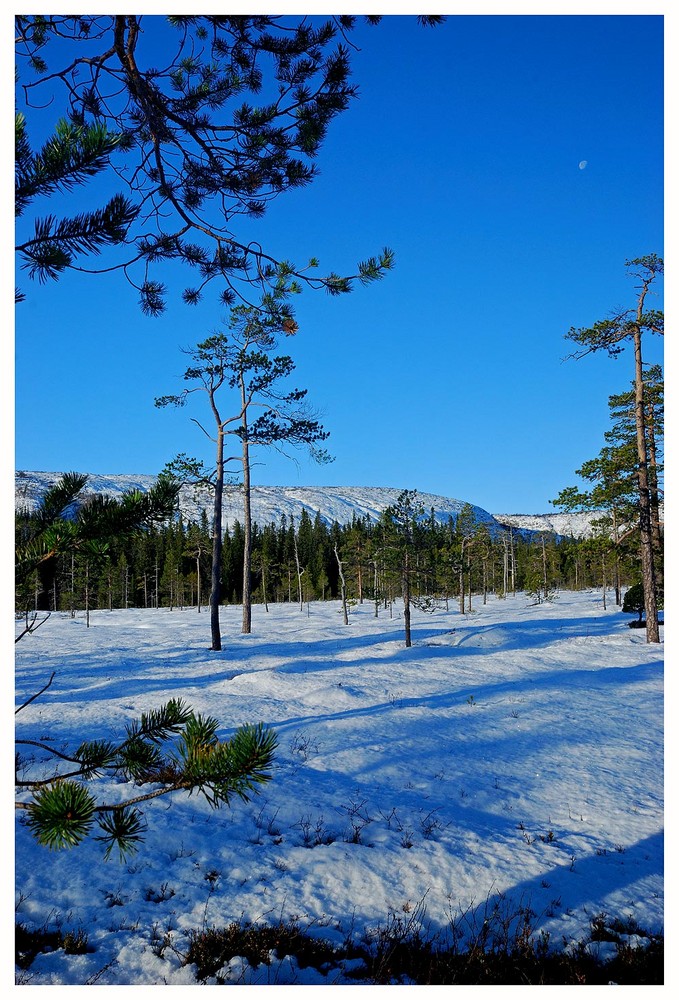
x,y
582,164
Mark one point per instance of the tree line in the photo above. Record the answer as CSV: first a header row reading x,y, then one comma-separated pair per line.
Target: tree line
x,y
304,559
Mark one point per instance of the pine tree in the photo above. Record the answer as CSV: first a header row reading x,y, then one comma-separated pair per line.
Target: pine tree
x,y
401,536
611,335
614,492
241,363
465,533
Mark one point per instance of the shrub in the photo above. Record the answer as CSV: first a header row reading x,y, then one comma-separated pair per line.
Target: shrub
x,y
633,602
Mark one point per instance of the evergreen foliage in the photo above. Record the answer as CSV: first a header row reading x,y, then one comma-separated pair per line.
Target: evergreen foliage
x,y
234,117
62,810
82,529
401,540
71,156
242,366
168,564
633,603
628,327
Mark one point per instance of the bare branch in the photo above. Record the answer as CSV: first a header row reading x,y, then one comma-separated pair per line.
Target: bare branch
x,y
37,695
33,625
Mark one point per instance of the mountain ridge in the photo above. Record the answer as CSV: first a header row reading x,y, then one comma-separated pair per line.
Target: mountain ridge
x,y
332,503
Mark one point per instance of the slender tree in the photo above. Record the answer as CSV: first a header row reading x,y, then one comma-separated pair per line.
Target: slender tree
x,y
400,522
301,570
280,417
612,335
194,549
465,533
343,589
211,375
241,362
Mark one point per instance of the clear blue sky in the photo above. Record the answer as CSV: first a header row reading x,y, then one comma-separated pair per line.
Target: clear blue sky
x,y
513,163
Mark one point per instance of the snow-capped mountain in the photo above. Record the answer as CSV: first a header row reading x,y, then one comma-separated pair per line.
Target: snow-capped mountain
x,y
573,525
332,503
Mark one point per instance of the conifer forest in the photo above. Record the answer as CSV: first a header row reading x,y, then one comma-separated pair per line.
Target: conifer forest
x,y
168,565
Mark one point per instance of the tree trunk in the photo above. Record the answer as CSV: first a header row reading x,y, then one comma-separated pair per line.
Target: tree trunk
x,y
266,606
406,598
505,565
513,560
343,587
300,571
198,592
246,627
616,543
646,539
216,581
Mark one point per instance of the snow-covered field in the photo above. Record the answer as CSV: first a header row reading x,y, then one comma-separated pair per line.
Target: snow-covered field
x,y
513,755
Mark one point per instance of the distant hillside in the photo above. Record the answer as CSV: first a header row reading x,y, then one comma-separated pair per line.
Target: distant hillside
x,y
333,503
573,525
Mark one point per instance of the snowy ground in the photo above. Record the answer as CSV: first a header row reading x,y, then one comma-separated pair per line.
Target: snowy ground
x,y
514,755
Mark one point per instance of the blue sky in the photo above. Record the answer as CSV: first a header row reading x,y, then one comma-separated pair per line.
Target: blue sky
x,y
464,155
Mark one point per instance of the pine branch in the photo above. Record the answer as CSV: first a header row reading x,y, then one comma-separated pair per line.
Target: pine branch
x,y
62,812
57,242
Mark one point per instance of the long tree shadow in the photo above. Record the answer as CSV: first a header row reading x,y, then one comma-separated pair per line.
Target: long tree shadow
x,y
133,680
572,884
142,671
485,691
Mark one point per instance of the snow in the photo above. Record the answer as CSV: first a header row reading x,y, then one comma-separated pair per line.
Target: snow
x,y
269,503
572,524
511,756
333,503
